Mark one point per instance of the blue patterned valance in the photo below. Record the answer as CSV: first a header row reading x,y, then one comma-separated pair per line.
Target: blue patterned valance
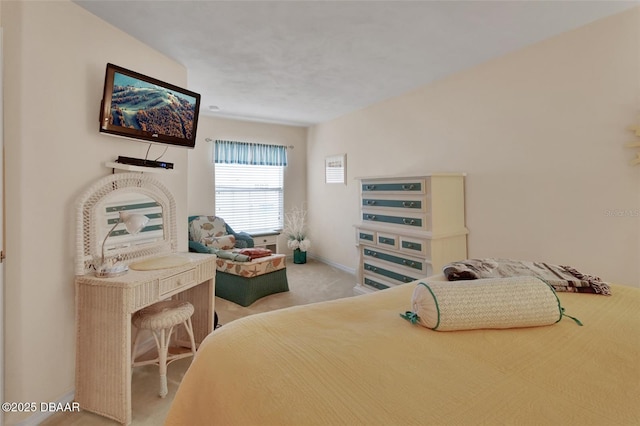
x,y
230,152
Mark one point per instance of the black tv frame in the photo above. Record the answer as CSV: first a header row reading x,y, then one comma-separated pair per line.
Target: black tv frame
x,y
138,134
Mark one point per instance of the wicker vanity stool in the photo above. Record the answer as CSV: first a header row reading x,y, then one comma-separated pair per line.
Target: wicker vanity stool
x,y
161,318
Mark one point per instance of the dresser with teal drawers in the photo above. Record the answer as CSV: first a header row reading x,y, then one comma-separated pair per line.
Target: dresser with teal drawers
x,y
410,227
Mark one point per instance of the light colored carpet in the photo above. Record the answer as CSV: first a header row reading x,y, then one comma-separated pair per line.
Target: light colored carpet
x,y
308,283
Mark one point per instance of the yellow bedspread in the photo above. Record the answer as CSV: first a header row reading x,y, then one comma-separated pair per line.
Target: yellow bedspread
x,y
356,362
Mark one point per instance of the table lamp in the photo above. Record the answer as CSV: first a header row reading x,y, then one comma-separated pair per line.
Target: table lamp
x,y
134,223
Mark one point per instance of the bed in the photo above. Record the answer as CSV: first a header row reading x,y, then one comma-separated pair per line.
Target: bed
x,y
357,361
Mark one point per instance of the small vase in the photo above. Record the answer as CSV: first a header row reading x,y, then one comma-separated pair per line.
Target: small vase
x,y
299,256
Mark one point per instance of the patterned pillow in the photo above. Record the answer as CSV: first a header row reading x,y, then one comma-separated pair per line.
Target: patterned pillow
x,y
226,242
560,277
212,232
484,303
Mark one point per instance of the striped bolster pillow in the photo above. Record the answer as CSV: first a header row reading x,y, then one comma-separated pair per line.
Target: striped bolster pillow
x,y
492,303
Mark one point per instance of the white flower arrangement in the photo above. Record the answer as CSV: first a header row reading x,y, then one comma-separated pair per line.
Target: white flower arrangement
x,y
295,228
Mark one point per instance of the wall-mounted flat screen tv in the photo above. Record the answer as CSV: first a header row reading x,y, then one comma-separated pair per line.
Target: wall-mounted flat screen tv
x,y
141,107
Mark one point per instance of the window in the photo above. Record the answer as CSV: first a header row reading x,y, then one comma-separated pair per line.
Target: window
x,y
249,185
249,197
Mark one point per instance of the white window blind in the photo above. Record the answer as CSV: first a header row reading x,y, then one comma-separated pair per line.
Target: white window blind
x,y
249,197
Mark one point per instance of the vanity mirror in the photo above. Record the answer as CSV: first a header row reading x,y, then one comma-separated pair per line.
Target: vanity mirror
x,y
99,224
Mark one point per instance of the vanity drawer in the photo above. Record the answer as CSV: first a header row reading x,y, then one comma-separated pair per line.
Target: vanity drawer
x,y
389,272
177,282
416,186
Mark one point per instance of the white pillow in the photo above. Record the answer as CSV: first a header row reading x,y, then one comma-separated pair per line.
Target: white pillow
x,y
484,303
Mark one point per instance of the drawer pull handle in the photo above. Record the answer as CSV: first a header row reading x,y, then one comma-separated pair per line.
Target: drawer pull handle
x,y
408,204
408,187
371,217
409,245
406,279
370,187
371,202
407,263
408,221
373,254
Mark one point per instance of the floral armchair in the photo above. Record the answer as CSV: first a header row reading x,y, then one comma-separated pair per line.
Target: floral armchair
x,y
241,277
209,234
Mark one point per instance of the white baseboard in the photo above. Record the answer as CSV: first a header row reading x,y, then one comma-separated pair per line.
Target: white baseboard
x,y
351,271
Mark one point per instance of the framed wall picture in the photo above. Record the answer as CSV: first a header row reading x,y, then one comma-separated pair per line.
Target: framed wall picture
x,y
335,168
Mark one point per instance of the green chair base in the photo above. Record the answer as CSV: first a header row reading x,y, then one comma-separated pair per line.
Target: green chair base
x,y
246,290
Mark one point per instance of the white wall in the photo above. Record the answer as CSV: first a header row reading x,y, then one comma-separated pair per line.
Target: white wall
x,y
201,171
55,58
541,134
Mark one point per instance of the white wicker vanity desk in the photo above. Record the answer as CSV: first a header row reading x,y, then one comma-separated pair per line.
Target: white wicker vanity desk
x,y
104,307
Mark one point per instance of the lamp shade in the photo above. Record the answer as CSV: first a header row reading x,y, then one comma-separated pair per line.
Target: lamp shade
x,y
133,222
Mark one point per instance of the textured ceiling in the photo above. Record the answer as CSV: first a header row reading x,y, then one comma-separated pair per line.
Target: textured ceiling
x,y
305,62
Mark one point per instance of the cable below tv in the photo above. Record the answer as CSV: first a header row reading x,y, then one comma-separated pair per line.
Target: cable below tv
x,y
144,163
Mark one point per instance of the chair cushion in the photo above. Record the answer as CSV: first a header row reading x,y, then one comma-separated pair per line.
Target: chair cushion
x,y
163,315
225,242
253,268
212,232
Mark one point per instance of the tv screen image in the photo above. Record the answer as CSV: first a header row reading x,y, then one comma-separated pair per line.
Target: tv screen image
x,y
141,107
